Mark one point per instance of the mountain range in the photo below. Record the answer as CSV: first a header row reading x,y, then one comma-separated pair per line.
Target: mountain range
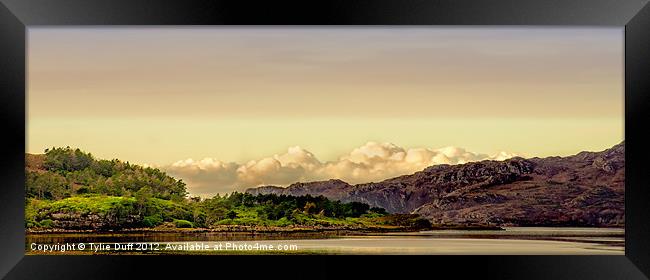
x,y
586,189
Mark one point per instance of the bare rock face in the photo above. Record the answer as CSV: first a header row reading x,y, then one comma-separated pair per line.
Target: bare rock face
x,y
586,189
91,221
333,189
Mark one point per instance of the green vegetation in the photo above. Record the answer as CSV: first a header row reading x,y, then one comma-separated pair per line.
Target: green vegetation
x,y
93,211
69,189
65,172
183,224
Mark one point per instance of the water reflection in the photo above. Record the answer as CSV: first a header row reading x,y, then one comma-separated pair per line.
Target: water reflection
x,y
509,241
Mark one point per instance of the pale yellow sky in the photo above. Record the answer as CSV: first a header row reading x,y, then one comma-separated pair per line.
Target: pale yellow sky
x,y
158,95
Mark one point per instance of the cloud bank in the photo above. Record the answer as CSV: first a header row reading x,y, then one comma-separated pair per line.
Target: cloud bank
x,y
370,162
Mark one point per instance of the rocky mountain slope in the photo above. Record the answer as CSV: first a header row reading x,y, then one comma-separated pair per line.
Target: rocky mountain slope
x,y
586,189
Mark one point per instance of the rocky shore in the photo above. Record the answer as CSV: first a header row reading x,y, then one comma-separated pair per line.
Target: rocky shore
x,y
260,229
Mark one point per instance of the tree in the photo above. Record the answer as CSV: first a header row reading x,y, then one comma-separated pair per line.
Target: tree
x,y
378,210
231,214
66,159
46,185
357,209
310,208
103,167
142,197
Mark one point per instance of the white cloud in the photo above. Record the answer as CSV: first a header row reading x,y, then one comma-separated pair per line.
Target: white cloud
x,y
370,162
269,171
207,176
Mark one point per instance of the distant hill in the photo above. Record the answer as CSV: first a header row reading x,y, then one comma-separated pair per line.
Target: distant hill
x,y
586,189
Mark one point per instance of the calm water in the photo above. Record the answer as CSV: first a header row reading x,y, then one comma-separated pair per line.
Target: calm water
x,y
509,241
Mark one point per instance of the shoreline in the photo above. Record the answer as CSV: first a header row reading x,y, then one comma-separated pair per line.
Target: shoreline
x,y
288,229
257,229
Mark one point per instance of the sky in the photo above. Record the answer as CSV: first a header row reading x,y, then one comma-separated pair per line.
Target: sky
x,y
226,108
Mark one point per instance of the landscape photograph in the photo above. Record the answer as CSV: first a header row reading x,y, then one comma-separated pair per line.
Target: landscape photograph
x,y
325,140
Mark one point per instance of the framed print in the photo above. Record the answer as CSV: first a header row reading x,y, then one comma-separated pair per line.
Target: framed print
x,y
194,139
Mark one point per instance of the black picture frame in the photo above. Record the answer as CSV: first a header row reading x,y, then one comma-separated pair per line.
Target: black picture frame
x,y
18,15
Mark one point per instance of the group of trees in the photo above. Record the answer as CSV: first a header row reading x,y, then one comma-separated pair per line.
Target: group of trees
x,y
271,207
274,207
68,172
